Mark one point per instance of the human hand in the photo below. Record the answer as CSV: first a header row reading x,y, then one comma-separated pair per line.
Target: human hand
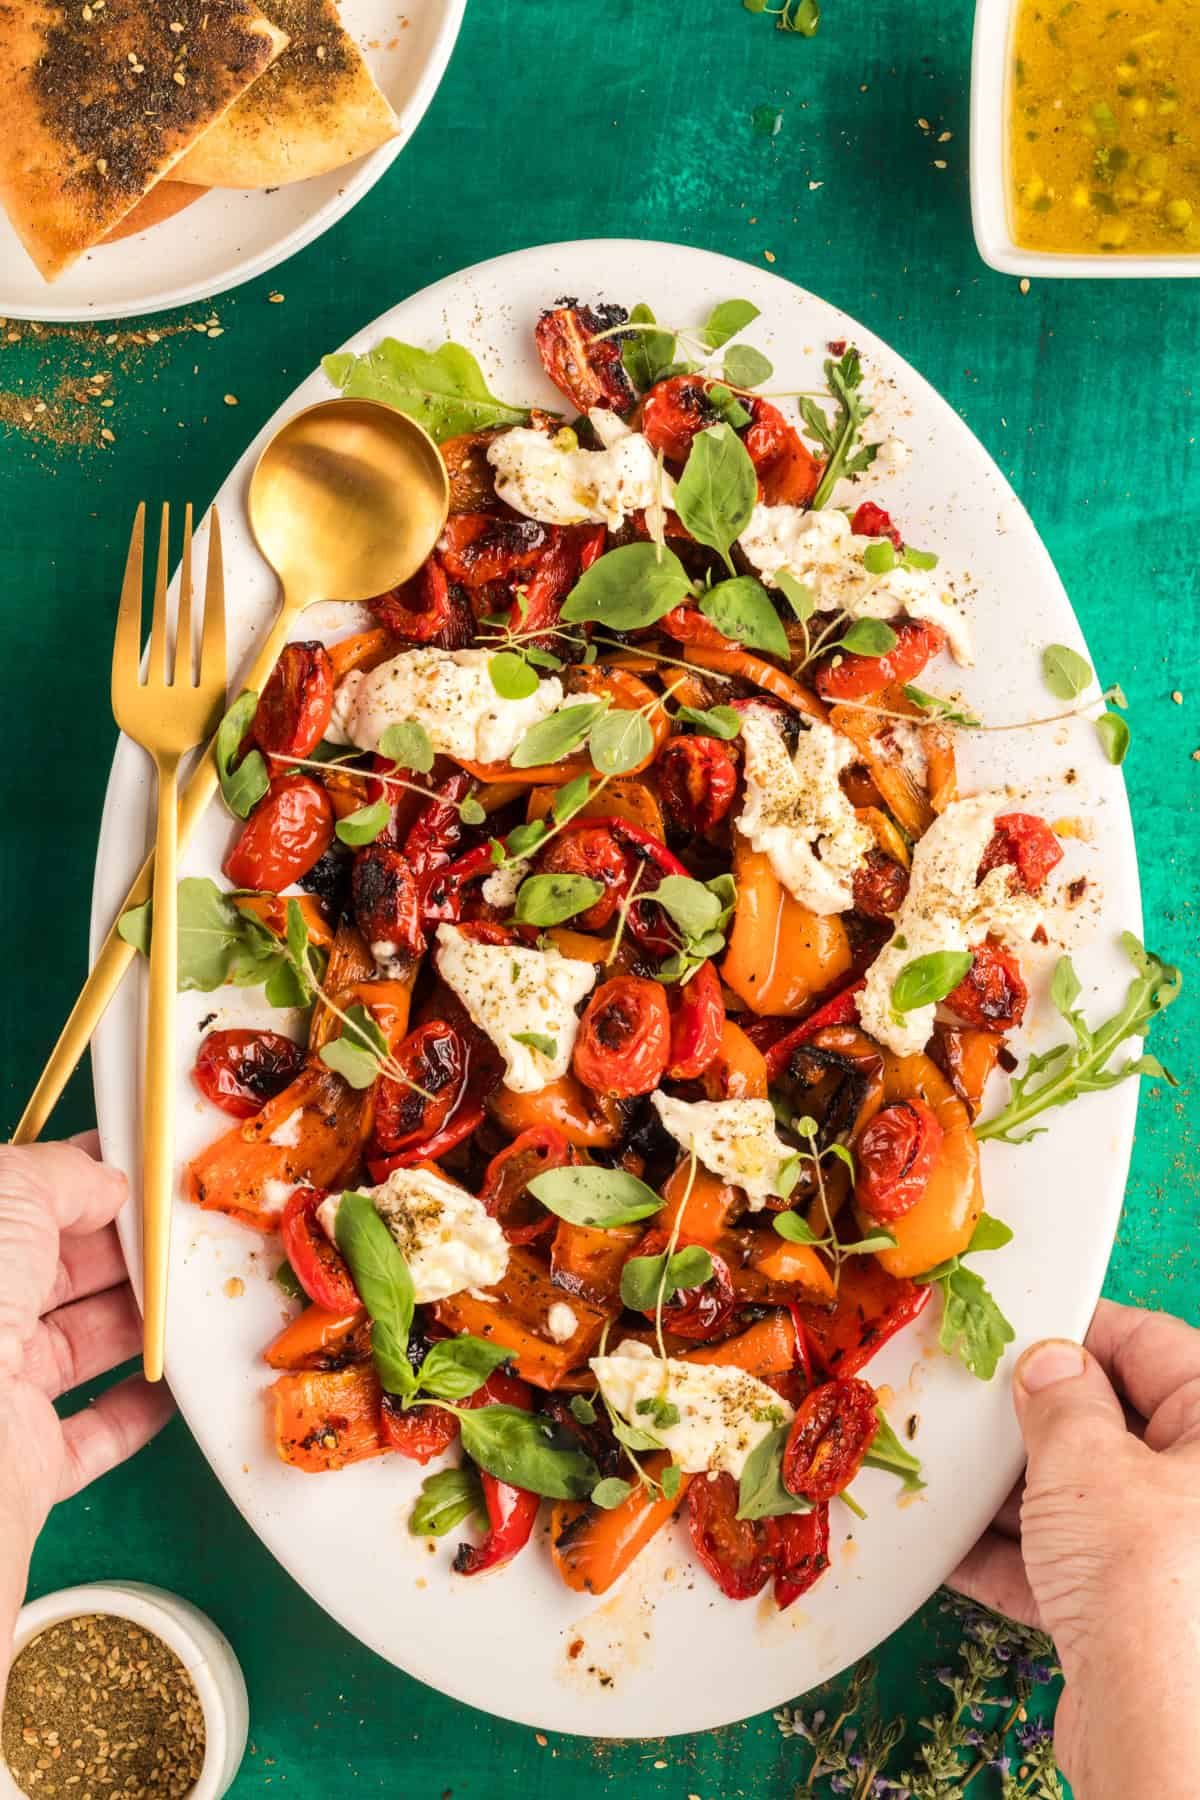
x,y
1100,1547
67,1314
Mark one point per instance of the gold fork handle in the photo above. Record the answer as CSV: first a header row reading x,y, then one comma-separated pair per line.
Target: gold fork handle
x,y
115,954
158,1090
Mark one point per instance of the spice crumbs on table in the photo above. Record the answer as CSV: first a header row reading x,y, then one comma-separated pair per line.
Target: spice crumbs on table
x,y
1023,284
1177,697
540,1738
275,299
231,399
770,255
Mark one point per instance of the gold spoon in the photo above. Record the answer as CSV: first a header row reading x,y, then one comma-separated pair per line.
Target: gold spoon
x,y
347,501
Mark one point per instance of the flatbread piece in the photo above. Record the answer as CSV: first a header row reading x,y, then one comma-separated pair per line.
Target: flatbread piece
x,y
104,97
315,109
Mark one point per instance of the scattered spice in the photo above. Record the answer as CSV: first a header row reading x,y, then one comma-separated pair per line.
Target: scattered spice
x,y
235,1287
99,1705
1024,284
1177,697
770,255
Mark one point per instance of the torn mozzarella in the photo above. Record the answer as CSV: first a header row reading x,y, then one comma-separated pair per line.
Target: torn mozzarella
x,y
450,693
796,814
547,479
735,1139
724,1413
444,1234
510,991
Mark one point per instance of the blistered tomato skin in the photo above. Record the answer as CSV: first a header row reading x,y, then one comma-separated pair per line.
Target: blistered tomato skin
x,y
788,473
594,852
736,1552
854,677
429,609
624,1038
829,1439
582,364
297,703
872,521
894,1157
697,779
1026,842
696,1313
879,886
697,1025
992,993
387,902
240,1070
285,836
433,1059
506,1181
318,1265
674,411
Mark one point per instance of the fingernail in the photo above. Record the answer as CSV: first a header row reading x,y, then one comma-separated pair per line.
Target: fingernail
x,y
1058,1359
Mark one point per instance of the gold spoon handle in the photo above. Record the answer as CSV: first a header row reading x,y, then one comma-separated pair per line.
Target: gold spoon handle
x,y
115,954
158,1088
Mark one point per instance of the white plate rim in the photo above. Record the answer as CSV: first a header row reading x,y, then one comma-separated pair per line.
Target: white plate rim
x,y
1074,1310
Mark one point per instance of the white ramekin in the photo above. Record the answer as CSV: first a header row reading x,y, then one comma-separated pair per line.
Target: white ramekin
x,y
204,1651
989,172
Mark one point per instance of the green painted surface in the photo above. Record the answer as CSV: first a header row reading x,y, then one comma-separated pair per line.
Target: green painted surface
x,y
556,123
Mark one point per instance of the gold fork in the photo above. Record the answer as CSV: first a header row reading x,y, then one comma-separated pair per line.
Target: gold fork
x,y
168,714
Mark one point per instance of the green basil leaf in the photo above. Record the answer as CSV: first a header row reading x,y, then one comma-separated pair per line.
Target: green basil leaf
x,y
522,839
528,1451
669,1480
689,1268
869,637
456,1367
928,979
590,1195
216,941
879,557
798,595
356,1054
570,797
364,825
619,741
565,730
742,610
470,811
973,1327
583,1409
646,353
717,491
791,1226
746,367
786,1179
942,709
919,559
690,904
243,786
549,899
512,677
761,1493
610,1493
888,1453
288,1281
384,1287
641,1279
630,1436
1113,733
445,1500
726,320
878,1240
443,390
727,406
630,586
718,721
662,1413
408,745
537,1040
1065,672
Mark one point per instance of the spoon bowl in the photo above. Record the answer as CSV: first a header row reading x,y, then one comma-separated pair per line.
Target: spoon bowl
x,y
347,501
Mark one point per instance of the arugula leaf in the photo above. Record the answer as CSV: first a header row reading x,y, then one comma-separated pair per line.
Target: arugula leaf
x,y
619,741
1113,732
761,1493
746,367
590,1195
973,1327
364,825
928,979
443,390
844,380
243,786
630,586
357,1053
725,321
1065,672
888,1453
646,353
549,899
384,1287
528,1450
742,610
511,675
551,739
408,744
1059,1075
610,1493
716,493
445,1500
718,721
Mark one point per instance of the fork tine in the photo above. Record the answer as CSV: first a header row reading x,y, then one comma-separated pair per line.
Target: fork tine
x,y
183,622
127,644
157,670
212,641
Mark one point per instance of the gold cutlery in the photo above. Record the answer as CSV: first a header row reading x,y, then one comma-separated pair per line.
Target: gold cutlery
x,y
347,501
168,714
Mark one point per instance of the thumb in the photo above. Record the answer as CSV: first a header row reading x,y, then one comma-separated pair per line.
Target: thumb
x,y
1069,1415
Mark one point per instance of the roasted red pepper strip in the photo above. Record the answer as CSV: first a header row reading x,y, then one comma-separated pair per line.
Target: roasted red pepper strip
x,y
800,1548
317,1264
696,1025
840,1010
872,521
850,676
436,832
872,1306
511,1511
467,1118
443,895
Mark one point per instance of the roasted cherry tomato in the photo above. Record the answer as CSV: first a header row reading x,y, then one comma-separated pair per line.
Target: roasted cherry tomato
x,y
584,366
895,1157
736,1552
853,677
287,833
799,1550
318,1264
592,851
871,521
788,473
387,902
505,1191
477,548
429,609
239,1071
624,1038
697,1022
992,993
434,1059
697,1312
1028,843
879,886
831,1434
420,1432
674,411
433,838
297,703
697,779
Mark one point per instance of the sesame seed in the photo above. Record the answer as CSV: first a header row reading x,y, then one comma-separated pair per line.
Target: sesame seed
x,y
770,255
938,163
1177,697
1024,284
231,399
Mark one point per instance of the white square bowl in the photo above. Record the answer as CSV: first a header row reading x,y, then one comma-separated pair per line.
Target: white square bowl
x,y
990,58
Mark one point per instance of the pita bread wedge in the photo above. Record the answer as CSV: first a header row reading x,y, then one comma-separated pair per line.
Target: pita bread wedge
x,y
316,109
155,208
103,98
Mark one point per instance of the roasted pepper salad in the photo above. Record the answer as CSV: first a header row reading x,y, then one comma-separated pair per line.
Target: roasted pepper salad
x,y
652,968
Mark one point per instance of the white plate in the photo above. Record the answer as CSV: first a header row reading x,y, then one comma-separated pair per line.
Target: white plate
x,y
664,1653
229,237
